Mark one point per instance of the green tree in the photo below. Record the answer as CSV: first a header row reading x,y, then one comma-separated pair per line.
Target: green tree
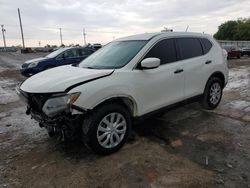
x,y
234,30
226,31
243,30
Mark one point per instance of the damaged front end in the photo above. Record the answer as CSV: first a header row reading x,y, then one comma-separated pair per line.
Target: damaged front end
x,y
55,111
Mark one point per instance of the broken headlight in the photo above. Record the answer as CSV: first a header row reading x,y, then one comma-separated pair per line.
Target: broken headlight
x,y
59,103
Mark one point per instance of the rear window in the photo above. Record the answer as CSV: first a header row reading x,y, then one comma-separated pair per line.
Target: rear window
x,y
189,48
207,45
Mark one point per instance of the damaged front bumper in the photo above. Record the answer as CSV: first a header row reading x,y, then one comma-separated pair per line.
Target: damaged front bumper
x,y
54,111
51,104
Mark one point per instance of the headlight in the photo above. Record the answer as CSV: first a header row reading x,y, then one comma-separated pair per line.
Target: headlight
x,y
59,103
33,64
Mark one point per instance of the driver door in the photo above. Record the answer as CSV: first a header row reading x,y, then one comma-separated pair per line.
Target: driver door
x,y
162,86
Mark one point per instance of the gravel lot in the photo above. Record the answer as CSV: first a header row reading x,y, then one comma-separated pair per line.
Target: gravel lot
x,y
185,147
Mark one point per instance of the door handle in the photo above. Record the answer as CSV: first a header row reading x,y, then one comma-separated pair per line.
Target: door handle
x,y
208,62
178,71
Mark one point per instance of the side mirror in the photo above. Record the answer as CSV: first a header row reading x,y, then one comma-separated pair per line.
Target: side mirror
x,y
150,63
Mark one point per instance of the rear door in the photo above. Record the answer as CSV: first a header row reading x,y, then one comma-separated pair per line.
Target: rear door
x,y
162,86
193,52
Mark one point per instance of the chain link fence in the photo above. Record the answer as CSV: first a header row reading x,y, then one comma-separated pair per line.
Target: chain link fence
x,y
240,44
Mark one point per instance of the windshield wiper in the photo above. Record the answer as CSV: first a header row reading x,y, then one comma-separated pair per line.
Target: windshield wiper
x,y
89,67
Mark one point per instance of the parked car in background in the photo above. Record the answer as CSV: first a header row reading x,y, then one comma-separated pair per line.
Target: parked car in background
x,y
246,51
97,46
62,56
128,79
232,51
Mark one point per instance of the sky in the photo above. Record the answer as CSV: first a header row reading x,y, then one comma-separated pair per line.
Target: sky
x,y
106,20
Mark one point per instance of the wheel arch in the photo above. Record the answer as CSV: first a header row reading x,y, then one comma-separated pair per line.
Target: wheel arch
x,y
127,101
220,75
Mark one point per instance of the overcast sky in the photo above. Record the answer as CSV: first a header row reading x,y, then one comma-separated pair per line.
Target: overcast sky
x,y
104,20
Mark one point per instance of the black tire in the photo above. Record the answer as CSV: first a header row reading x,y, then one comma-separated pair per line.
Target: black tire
x,y
206,102
92,121
238,56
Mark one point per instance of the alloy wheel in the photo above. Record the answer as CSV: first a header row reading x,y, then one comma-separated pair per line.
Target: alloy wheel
x,y
215,93
111,130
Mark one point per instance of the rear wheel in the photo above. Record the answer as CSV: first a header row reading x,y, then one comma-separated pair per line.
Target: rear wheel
x,y
212,94
107,128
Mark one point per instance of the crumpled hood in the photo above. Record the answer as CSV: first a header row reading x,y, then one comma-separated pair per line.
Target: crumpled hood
x,y
60,78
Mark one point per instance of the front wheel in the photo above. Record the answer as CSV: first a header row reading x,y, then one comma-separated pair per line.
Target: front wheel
x,y
106,129
212,94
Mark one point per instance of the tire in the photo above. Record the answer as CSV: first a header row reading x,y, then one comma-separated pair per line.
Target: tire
x,y
238,56
96,123
211,101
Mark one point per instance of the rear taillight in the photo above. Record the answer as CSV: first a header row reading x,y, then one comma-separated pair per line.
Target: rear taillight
x,y
224,53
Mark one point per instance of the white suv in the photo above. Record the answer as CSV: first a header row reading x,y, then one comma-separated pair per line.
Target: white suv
x,y
129,78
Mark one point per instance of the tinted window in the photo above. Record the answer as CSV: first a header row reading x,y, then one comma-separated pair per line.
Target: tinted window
x,y
164,50
207,45
189,47
69,54
84,52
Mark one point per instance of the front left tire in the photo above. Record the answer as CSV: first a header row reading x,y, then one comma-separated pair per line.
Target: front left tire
x,y
106,128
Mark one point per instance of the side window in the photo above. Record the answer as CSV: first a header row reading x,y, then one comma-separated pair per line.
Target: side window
x,y
84,52
189,47
164,50
68,54
71,53
206,44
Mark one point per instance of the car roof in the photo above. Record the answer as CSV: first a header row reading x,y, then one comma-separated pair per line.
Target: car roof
x,y
148,36
72,47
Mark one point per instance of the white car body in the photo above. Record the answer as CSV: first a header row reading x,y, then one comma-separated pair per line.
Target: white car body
x,y
147,90
127,79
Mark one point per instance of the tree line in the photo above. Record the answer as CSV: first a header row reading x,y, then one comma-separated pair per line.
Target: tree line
x,y
234,30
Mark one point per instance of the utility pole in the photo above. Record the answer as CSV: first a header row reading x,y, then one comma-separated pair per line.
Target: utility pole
x,y
61,35
4,42
21,26
84,36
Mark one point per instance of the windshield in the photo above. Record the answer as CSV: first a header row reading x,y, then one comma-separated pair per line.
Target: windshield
x,y
114,55
55,53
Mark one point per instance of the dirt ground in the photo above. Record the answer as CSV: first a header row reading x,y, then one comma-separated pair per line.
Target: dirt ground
x,y
186,147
